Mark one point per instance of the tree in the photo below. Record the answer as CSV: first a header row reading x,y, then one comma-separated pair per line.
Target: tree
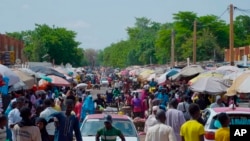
x,y
59,43
242,30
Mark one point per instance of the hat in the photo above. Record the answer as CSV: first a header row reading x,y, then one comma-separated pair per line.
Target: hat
x,y
108,118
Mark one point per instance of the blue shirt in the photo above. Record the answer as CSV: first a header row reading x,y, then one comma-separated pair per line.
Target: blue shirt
x,y
64,131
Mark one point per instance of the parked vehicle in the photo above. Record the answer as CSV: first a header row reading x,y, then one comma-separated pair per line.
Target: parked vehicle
x,y
93,123
104,81
238,115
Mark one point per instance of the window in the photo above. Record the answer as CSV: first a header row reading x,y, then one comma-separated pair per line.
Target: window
x,y
235,119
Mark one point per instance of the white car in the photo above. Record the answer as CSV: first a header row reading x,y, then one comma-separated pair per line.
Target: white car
x,y
237,116
94,122
104,81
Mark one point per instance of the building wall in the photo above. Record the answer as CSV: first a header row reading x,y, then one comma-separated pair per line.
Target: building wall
x,y
238,53
11,44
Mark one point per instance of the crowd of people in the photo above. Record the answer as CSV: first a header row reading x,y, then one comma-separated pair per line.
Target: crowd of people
x,y
171,111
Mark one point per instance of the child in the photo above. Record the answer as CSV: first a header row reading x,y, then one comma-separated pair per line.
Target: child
x,y
223,133
3,123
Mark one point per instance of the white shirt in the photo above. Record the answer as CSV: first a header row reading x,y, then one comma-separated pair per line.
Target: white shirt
x,y
150,122
46,114
13,118
160,132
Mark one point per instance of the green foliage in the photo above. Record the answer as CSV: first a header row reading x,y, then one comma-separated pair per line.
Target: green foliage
x,y
59,43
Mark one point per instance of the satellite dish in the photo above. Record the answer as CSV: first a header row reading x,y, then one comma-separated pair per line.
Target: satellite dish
x,y
18,61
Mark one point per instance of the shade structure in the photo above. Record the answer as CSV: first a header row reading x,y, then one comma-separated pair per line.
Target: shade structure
x,y
210,85
145,74
64,72
47,71
17,86
58,81
28,80
7,72
151,76
232,76
168,73
240,85
81,85
204,75
188,71
228,69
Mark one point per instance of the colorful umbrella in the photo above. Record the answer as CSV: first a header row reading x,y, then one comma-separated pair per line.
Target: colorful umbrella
x,y
240,85
58,81
169,73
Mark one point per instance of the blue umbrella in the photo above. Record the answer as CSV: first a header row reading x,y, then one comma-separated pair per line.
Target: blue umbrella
x,y
46,78
172,72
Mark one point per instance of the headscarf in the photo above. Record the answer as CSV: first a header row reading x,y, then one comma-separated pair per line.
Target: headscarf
x,y
89,104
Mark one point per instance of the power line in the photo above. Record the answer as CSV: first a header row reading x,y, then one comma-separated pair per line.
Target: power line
x,y
223,13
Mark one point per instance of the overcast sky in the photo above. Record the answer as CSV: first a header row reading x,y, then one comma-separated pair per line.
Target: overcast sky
x,y
98,23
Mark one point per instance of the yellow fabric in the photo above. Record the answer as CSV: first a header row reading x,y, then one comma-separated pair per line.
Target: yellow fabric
x,y
57,108
192,130
222,134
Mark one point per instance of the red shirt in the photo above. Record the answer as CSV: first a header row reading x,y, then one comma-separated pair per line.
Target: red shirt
x,y
78,109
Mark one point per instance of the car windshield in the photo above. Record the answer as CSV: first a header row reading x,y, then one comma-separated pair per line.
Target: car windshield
x,y
235,119
90,127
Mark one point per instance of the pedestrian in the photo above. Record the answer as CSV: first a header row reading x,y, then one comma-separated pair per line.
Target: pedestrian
x,y
223,133
137,106
175,118
88,107
50,127
160,131
24,130
151,120
78,108
66,124
14,115
218,102
192,130
183,106
41,124
108,132
3,131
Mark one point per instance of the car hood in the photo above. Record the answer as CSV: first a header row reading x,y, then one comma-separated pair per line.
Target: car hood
x,y
92,138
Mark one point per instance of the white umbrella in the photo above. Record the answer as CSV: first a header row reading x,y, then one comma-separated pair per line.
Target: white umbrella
x,y
228,69
17,86
6,72
81,85
210,85
188,71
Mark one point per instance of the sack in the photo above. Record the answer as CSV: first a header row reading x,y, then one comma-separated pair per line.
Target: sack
x,y
186,113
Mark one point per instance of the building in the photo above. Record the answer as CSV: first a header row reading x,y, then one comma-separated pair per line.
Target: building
x,y
238,53
11,50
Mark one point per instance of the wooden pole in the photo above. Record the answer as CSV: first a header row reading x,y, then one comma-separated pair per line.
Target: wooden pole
x,y
231,36
172,48
194,43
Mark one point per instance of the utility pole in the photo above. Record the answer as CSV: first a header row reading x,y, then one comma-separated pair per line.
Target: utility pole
x,y
231,36
194,43
172,48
